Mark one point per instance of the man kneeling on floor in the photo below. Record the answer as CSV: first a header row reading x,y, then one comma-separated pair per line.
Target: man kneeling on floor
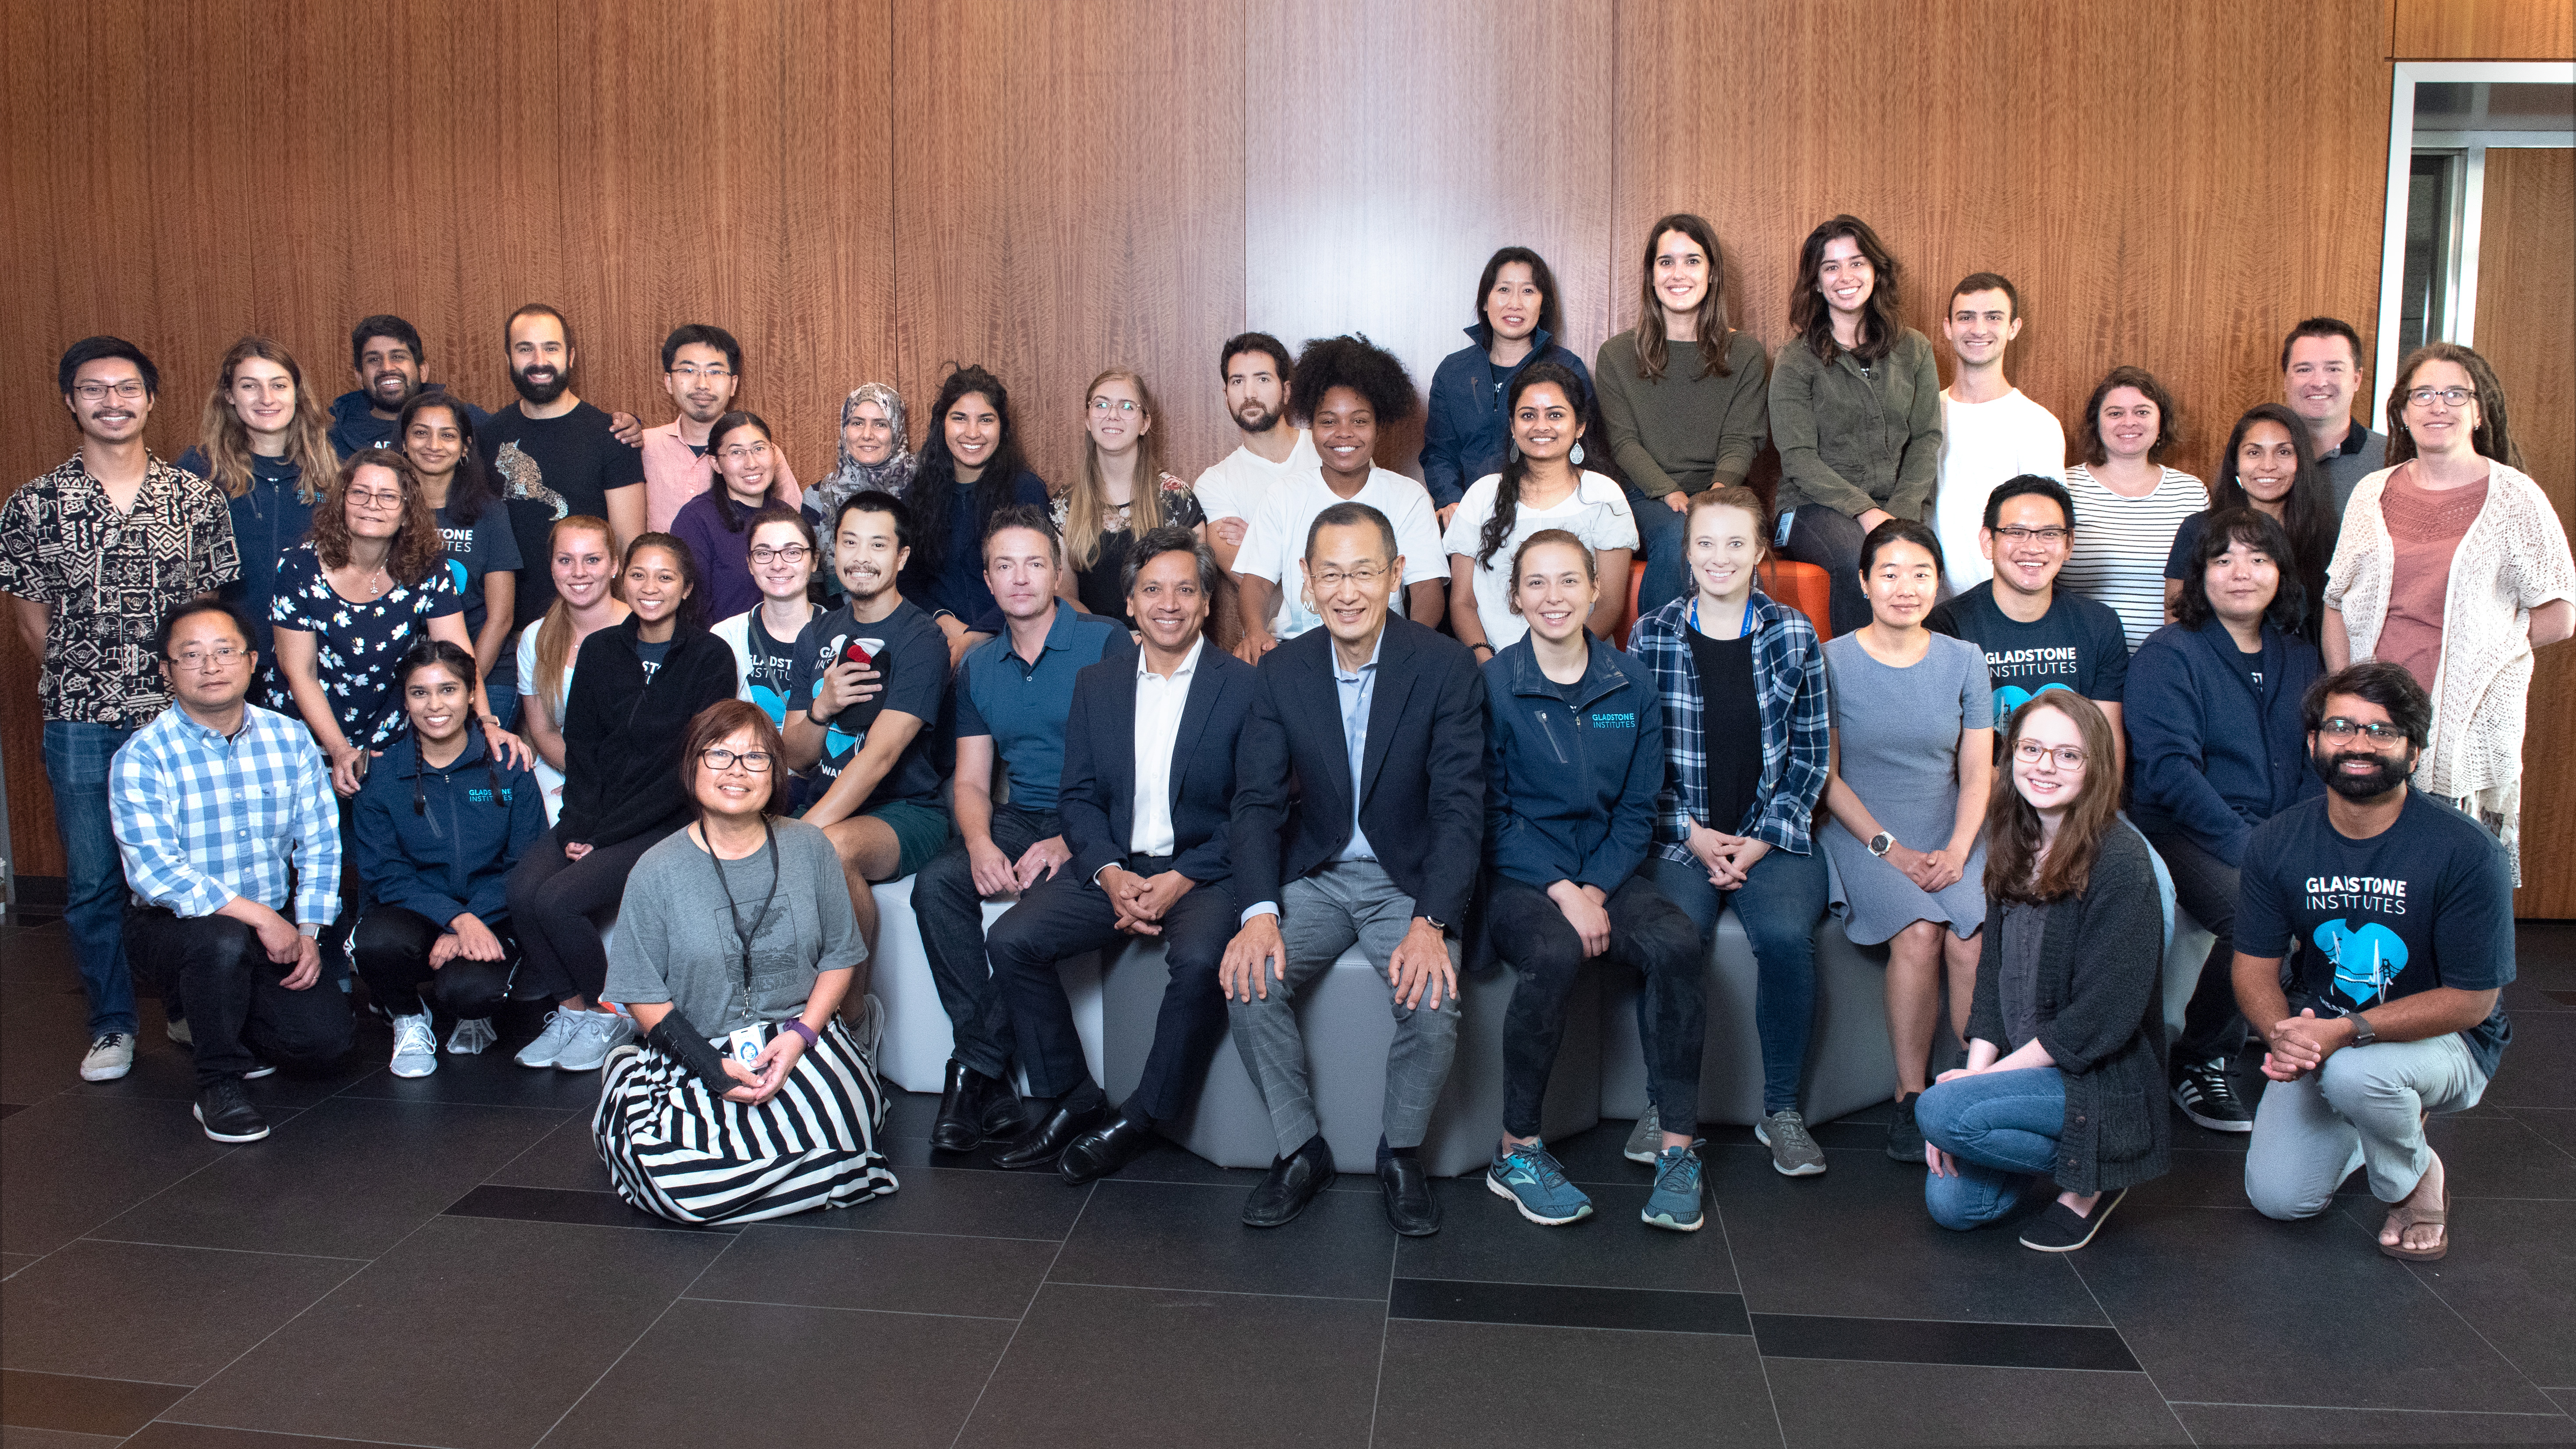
x,y
215,802
2403,908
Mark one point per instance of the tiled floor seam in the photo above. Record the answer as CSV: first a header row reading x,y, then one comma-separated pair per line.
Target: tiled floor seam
x,y
846,1308
299,1434
1044,1278
593,1387
202,1248
2424,1282
1217,1292
1761,1361
1385,1327
2105,1310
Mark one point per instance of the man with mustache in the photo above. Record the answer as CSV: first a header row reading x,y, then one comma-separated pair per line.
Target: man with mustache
x,y
701,370
1254,368
550,448
2403,911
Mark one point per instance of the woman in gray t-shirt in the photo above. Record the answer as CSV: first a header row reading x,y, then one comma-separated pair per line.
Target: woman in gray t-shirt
x,y
735,944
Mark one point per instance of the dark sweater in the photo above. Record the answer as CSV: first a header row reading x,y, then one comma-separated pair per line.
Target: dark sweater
x,y
476,818
622,736
2101,1017
1854,440
2209,756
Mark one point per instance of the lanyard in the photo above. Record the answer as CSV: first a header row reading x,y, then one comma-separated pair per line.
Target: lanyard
x,y
733,910
1743,621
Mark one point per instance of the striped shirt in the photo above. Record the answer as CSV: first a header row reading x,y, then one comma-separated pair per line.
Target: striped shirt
x,y
201,818
2121,544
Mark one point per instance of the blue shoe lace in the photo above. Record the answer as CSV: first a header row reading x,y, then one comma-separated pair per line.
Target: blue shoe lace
x,y
1538,1164
1677,1173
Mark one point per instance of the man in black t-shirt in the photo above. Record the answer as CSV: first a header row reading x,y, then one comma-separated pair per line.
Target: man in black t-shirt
x,y
2035,637
555,455
2403,908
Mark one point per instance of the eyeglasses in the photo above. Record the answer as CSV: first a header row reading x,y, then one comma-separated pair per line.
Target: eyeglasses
x,y
128,390
384,500
741,453
2450,396
1102,407
222,656
692,371
720,759
2378,732
1327,580
2031,752
2015,533
793,553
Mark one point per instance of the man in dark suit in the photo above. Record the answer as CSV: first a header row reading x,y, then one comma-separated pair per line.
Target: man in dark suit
x,y
1149,750
1359,816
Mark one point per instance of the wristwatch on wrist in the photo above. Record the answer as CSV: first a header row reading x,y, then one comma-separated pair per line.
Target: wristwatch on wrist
x,y
2362,1035
1881,843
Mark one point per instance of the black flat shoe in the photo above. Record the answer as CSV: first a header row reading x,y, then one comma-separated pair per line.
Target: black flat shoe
x,y
1041,1146
1105,1148
1289,1186
964,1104
1410,1207
2062,1229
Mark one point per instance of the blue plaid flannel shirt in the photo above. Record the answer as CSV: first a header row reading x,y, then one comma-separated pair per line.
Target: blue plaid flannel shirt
x,y
1789,664
201,819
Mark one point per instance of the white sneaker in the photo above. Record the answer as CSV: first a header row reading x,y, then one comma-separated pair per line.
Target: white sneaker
x,y
110,1057
561,1024
472,1037
415,1046
176,1028
599,1033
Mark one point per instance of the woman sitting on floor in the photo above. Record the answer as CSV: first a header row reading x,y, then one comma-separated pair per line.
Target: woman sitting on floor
x,y
735,943
2066,1037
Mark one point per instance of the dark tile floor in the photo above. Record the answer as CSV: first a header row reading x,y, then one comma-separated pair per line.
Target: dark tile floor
x,y
439,1262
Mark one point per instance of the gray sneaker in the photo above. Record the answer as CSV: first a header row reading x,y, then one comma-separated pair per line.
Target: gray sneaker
x,y
1646,1139
176,1028
110,1056
600,1033
1793,1152
549,1045
415,1046
472,1036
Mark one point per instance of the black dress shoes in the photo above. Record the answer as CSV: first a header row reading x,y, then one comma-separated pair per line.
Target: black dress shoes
x,y
1410,1207
1043,1144
1105,1148
1289,1186
963,1101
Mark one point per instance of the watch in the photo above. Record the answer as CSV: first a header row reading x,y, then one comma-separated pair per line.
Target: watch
x,y
2362,1035
1881,843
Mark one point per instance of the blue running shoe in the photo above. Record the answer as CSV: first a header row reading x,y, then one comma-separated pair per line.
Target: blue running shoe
x,y
1674,1203
1535,1184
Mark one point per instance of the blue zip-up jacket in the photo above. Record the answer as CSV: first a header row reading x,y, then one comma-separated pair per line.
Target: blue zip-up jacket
x,y
2210,758
1467,431
269,518
455,854
1570,788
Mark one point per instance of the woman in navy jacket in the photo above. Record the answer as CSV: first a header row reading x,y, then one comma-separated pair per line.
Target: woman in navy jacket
x,y
2215,749
1574,756
1468,427
439,824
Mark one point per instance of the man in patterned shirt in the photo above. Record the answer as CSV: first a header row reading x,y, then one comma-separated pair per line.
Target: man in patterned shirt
x,y
220,808
94,553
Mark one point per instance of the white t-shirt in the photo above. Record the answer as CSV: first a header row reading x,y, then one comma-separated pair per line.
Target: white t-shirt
x,y
2121,545
1983,444
548,777
1275,540
1234,485
1596,511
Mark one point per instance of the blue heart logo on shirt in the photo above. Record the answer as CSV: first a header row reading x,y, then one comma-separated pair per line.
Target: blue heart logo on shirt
x,y
771,703
456,575
838,742
2012,697
2366,962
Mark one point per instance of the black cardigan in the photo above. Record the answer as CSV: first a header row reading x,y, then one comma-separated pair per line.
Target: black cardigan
x,y
622,737
2101,1016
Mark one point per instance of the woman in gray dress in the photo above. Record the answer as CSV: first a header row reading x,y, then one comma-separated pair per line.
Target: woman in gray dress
x,y
1914,755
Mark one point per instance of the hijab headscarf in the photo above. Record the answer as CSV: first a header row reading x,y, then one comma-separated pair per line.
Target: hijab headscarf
x,y
850,476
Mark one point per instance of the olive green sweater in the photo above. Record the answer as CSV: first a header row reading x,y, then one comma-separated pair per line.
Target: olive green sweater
x,y
1854,441
1682,430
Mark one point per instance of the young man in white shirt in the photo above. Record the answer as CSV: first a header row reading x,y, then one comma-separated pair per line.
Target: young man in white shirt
x,y
1989,430
1254,367
2320,378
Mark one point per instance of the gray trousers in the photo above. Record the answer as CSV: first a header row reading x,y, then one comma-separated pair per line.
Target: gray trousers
x,y
1320,916
2364,1107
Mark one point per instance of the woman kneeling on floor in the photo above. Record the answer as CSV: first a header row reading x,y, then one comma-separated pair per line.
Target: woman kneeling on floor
x,y
735,944
2066,1036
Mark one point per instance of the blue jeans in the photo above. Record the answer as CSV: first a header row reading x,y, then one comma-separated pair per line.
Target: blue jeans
x,y
2001,1129
76,761
1664,547
1779,904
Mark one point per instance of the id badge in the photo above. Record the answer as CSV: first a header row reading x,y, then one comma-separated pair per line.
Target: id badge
x,y
744,1045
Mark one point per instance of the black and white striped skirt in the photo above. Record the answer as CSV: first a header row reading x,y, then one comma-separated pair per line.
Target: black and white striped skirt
x,y
682,1152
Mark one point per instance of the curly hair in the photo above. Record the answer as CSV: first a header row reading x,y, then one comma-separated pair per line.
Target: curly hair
x,y
1354,362
1880,320
1653,349
2494,435
1507,488
2088,436
417,544
2224,529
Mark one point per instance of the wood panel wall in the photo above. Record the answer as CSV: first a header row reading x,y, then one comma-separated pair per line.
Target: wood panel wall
x,y
2481,30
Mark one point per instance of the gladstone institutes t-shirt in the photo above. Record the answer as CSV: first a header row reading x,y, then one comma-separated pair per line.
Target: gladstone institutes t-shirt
x,y
2077,645
2427,902
568,465
485,546
914,661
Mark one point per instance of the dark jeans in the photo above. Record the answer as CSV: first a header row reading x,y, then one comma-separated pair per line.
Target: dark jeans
x,y
1066,916
1830,539
951,913
238,1003
392,946
1665,548
555,904
1779,904
76,761
2206,886
1647,932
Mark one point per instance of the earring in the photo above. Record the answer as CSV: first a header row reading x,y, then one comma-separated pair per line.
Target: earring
x,y
1513,448
1576,457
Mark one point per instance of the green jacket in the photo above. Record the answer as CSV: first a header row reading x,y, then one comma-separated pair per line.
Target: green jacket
x,y
1852,441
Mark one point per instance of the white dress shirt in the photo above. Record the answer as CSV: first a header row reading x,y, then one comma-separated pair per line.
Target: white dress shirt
x,y
1160,702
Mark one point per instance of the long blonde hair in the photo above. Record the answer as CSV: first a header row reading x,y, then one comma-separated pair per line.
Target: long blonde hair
x,y
554,632
1086,507
225,439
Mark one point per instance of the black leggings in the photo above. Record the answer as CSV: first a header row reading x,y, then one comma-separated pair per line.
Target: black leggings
x,y
1647,932
554,906
392,945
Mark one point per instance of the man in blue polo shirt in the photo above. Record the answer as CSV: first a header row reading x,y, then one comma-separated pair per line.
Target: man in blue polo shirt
x,y
1013,692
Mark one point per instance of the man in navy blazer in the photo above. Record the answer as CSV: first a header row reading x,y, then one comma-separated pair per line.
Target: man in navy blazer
x,y
1149,752
1390,864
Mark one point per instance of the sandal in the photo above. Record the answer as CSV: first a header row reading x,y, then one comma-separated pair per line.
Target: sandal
x,y
2403,1217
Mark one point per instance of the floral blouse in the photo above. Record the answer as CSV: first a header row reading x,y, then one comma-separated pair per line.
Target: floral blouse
x,y
357,645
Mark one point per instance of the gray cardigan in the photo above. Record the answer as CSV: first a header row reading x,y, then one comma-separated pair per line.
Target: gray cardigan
x,y
2101,1017
1853,443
